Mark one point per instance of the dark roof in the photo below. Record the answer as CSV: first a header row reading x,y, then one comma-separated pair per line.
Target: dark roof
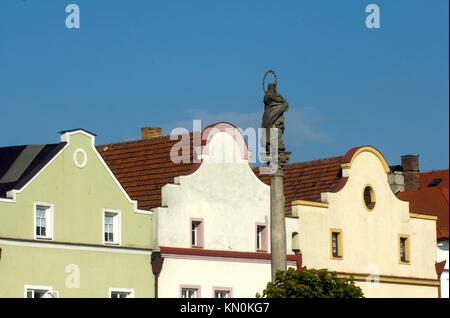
x,y
76,129
19,164
144,166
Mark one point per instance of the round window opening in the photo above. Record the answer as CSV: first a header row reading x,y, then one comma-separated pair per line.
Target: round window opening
x,y
369,198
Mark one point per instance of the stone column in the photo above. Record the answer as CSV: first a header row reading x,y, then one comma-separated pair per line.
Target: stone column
x,y
277,217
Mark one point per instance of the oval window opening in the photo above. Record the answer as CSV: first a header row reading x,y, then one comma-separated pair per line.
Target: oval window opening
x,y
369,198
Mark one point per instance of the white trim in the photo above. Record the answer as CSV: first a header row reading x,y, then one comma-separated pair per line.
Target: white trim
x,y
26,287
134,202
12,194
50,223
118,240
43,244
75,153
121,290
66,138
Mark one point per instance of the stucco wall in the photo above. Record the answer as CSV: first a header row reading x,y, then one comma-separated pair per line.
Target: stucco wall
x,y
370,238
226,195
79,197
389,290
98,271
231,200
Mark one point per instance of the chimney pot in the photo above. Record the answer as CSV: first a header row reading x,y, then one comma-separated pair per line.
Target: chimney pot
x,y
151,132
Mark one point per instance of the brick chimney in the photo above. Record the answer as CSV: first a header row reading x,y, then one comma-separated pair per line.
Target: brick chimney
x,y
410,164
151,132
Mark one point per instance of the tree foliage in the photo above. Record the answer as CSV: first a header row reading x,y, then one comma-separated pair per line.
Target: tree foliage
x,y
310,283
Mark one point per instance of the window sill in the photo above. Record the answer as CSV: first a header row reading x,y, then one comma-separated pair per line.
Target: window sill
x,y
197,246
111,244
337,258
43,238
404,263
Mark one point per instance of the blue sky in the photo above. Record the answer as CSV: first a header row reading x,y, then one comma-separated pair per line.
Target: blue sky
x,y
163,63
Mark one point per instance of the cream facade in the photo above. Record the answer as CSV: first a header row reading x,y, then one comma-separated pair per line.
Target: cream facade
x,y
364,230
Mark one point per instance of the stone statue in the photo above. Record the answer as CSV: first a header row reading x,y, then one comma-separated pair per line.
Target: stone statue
x,y
274,107
275,157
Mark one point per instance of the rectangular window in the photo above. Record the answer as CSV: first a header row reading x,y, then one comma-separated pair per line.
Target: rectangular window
x,y
121,293
111,227
404,249
39,292
336,244
43,221
222,292
190,292
196,232
261,237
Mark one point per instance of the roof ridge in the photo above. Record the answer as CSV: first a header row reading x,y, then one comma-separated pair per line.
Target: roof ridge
x,y
304,162
135,141
438,170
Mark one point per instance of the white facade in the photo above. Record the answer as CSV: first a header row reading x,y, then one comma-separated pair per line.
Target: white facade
x,y
442,255
228,199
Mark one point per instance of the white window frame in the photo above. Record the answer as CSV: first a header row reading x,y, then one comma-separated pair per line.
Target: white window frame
x,y
37,287
227,290
130,291
49,220
196,289
117,226
261,238
198,234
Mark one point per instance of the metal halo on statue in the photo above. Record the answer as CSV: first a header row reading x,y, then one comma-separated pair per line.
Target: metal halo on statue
x,y
264,79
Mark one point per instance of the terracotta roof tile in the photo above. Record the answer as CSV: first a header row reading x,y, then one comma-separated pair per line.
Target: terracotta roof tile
x,y
144,166
426,177
307,180
431,200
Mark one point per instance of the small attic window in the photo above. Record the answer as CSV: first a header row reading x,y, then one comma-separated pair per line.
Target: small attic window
x,y
369,197
435,182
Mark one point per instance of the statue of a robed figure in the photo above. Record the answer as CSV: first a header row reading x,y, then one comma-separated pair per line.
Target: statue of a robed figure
x,y
274,108
276,157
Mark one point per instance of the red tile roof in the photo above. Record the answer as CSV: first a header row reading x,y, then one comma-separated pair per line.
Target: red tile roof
x,y
307,180
426,177
431,200
144,166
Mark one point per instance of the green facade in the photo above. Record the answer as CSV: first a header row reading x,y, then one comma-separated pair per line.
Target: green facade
x,y
79,197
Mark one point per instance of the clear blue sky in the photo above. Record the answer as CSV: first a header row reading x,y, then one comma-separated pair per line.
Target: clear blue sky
x,y
163,63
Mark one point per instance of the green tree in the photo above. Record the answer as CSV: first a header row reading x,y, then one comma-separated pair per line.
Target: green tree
x,y
310,283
